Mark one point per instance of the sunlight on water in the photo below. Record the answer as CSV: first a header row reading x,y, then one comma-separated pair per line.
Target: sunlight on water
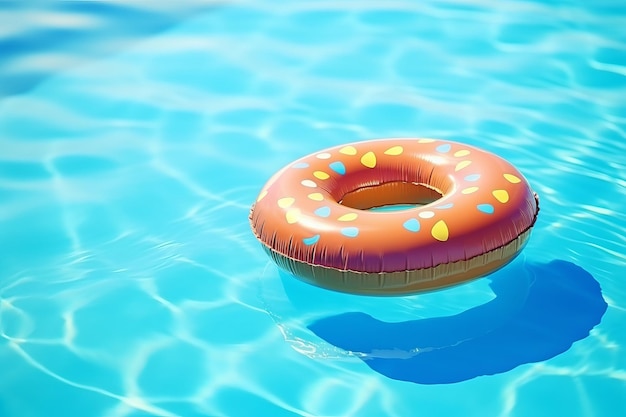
x,y
135,137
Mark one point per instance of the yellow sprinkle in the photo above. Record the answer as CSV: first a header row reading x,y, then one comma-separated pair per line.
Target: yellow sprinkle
x,y
394,150
512,178
369,160
469,190
321,175
316,196
348,217
461,153
292,215
440,231
286,202
425,140
501,195
348,150
461,165
260,197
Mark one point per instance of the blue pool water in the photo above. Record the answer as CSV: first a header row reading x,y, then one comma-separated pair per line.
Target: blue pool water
x,y
134,138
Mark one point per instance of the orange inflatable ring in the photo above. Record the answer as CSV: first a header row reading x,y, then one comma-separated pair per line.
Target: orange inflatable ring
x,y
474,214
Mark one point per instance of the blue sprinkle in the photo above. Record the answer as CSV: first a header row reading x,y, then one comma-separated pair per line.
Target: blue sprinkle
x,y
444,148
485,208
300,165
350,231
338,167
446,206
412,225
323,211
311,240
472,177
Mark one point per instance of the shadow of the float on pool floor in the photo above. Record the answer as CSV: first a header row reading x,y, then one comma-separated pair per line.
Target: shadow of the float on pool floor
x,y
538,312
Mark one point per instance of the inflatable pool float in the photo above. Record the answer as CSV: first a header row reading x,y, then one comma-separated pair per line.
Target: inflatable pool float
x,y
471,213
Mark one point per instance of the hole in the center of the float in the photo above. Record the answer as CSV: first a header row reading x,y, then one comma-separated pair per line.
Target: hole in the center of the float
x,y
390,196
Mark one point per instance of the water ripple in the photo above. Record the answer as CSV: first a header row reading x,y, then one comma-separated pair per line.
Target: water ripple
x,y
135,137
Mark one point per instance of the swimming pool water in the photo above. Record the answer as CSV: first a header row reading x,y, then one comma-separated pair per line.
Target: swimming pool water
x,y
134,138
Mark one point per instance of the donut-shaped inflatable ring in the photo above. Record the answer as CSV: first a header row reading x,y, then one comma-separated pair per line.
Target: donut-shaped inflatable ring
x,y
472,214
